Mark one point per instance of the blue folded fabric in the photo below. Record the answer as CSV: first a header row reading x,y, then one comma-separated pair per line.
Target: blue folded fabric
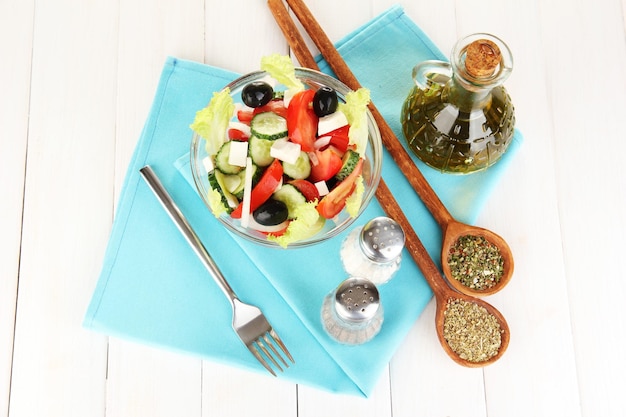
x,y
153,290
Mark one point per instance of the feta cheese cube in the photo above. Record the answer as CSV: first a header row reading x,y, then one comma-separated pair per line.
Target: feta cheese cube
x,y
208,164
285,151
331,122
238,153
322,188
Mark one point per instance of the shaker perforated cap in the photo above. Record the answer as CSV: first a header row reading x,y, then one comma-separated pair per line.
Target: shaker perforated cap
x,y
356,299
382,239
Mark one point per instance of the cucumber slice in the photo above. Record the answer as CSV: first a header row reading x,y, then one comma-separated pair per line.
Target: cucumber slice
x,y
256,175
291,196
221,160
299,170
268,125
216,181
259,150
350,159
232,182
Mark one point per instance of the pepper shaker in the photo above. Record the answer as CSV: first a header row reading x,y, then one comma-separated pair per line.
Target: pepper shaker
x,y
374,250
353,314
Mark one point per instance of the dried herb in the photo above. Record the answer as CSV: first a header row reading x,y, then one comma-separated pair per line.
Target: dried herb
x,y
471,331
475,262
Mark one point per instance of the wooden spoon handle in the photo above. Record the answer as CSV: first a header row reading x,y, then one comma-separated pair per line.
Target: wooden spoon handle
x,y
383,194
292,34
389,139
413,244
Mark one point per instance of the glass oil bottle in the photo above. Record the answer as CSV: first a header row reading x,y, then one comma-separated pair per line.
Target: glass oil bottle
x,y
459,118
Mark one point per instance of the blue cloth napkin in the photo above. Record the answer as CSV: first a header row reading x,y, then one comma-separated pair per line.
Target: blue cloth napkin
x,y
153,290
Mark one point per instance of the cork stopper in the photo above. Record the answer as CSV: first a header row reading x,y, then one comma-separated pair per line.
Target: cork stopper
x,y
482,57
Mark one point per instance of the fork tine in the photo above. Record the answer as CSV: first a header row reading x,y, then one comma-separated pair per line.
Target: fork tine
x,y
282,346
268,342
261,343
263,347
258,356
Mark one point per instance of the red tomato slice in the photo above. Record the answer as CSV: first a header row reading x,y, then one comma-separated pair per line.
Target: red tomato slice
x,y
276,106
263,190
236,134
302,120
328,164
307,188
334,202
339,138
245,116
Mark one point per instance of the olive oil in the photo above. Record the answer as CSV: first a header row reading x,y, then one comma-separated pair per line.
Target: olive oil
x,y
453,139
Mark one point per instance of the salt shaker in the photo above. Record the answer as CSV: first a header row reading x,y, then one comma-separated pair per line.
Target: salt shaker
x,y
353,314
374,250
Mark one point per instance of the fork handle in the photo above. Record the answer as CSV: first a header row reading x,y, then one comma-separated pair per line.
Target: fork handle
x,y
185,228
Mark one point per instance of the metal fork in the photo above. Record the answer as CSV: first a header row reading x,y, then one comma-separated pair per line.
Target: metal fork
x,y
248,321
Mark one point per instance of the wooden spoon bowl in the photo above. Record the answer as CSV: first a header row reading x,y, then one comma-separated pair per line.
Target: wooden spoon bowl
x,y
442,298
455,230
441,290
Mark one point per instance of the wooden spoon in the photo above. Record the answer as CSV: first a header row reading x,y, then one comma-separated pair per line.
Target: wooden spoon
x,y
451,228
452,231
442,292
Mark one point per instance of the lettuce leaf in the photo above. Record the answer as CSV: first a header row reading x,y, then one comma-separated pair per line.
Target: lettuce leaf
x,y
216,203
355,110
211,122
353,202
281,68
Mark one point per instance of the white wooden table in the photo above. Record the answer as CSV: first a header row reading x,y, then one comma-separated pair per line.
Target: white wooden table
x,y
76,82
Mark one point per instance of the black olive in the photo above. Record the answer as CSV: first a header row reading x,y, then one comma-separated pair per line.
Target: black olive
x,y
330,183
325,101
271,213
257,94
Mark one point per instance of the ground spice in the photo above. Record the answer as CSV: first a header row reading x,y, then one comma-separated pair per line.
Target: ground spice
x,y
471,331
475,262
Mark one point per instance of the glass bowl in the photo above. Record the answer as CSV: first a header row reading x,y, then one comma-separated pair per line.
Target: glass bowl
x,y
371,169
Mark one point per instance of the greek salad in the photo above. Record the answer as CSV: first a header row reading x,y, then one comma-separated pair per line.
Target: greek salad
x,y
287,158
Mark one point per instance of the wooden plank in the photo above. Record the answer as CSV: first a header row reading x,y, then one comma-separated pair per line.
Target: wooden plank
x,y
59,368
16,23
232,391
535,238
149,32
586,66
144,380
238,33
313,402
